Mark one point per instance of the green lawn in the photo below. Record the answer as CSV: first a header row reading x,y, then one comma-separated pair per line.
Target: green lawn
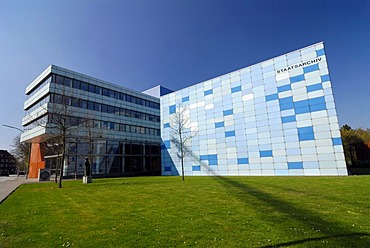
x,y
202,211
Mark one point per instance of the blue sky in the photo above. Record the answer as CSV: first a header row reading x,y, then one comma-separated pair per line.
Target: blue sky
x,y
142,43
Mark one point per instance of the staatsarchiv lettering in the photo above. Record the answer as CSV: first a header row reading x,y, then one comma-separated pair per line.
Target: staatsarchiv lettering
x,y
296,66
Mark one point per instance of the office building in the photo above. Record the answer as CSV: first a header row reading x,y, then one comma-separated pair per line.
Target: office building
x,y
8,164
276,117
117,128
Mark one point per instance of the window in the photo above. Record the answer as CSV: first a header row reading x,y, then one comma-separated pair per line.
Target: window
x,y
127,113
67,82
105,125
139,101
91,88
128,128
133,129
76,84
112,93
97,106
59,80
97,90
84,86
116,110
74,121
90,105
96,124
110,109
136,149
75,102
105,92
58,99
104,108
121,96
83,104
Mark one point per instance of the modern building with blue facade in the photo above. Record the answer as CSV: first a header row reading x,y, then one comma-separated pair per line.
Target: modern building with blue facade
x,y
276,117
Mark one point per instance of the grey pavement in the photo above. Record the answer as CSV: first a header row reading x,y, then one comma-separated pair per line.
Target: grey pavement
x,y
9,184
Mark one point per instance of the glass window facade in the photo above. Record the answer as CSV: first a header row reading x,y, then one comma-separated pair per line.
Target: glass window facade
x,y
111,125
112,158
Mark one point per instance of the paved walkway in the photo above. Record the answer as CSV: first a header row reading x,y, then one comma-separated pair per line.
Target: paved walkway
x,y
9,184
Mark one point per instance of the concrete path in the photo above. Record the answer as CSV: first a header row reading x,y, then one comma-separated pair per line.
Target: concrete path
x,y
9,184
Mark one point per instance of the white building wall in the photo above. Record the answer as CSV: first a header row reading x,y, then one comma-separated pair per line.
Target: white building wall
x,y
277,117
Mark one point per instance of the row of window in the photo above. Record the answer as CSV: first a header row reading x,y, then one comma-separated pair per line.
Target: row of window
x,y
103,91
8,160
38,104
115,148
40,86
39,122
85,104
5,155
69,121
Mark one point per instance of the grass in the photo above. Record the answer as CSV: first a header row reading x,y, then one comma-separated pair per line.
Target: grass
x,y
202,211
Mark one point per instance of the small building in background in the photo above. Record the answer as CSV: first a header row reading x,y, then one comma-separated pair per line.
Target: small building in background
x,y
8,164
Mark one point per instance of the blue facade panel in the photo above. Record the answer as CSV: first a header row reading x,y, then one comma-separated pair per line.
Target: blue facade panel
x,y
236,89
172,109
228,112
243,161
208,92
165,125
266,153
284,88
314,87
337,141
296,79
219,124
229,133
295,165
311,68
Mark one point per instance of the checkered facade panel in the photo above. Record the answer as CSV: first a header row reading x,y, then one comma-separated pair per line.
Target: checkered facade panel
x,y
277,117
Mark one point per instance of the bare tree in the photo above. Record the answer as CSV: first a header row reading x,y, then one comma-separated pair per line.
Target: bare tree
x,y
61,121
21,152
182,133
91,135
57,117
52,146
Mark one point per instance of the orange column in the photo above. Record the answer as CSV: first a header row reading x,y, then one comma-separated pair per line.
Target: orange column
x,y
37,160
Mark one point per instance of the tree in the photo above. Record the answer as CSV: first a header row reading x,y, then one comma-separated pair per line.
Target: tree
x,y
60,120
182,133
364,134
346,127
356,145
21,152
52,147
57,118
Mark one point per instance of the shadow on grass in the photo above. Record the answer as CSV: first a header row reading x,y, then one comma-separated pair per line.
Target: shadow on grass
x,y
330,230
304,217
351,235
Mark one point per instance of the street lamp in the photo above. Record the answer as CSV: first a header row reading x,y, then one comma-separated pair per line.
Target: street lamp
x,y
29,151
13,127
